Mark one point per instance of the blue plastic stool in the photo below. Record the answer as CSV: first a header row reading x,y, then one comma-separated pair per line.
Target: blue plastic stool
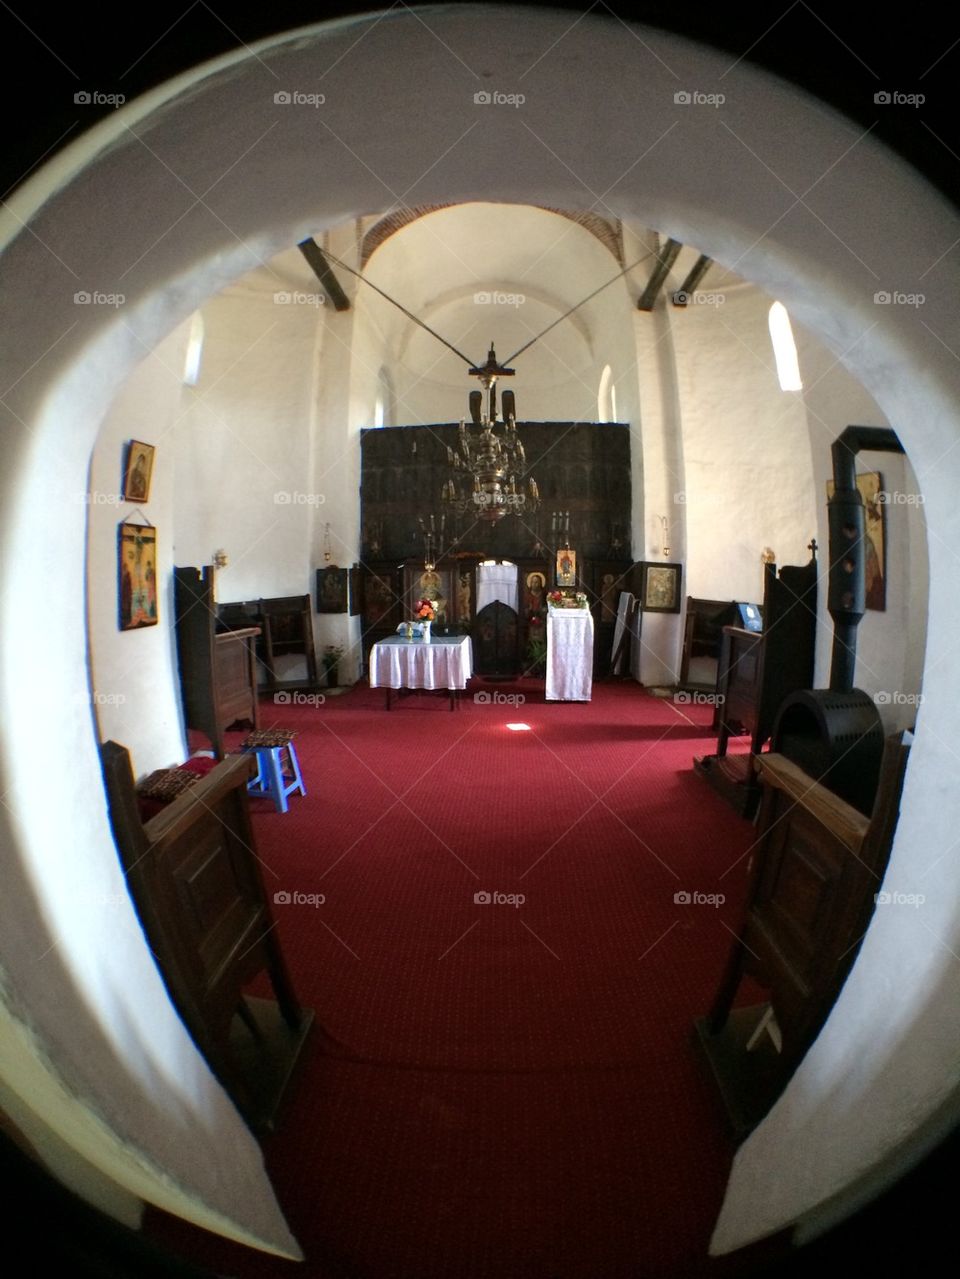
x,y
276,778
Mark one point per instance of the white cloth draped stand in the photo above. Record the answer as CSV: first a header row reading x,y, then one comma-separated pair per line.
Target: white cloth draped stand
x,y
569,655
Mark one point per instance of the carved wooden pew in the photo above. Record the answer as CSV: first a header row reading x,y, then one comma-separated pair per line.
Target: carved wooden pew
x,y
194,877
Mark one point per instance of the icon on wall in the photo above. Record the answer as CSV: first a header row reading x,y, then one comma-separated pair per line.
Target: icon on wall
x,y
660,587
332,589
137,559
566,567
137,471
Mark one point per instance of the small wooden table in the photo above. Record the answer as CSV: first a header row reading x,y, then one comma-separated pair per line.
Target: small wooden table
x,y
399,664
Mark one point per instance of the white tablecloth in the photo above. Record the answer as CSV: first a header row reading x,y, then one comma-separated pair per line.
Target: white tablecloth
x,y
401,663
569,655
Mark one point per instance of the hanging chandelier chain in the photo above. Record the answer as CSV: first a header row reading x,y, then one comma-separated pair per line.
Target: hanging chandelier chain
x,y
400,307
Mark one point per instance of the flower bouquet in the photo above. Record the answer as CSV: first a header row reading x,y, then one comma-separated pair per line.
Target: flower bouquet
x,y
567,599
424,612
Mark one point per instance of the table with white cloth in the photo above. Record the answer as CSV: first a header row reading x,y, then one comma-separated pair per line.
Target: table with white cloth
x,y
442,662
569,655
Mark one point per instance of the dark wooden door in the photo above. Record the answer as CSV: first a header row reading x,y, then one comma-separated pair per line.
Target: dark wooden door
x,y
495,638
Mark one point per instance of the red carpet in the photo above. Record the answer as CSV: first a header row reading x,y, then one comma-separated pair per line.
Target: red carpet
x,y
496,1088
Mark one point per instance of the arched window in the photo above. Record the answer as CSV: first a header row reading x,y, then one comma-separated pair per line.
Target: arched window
x,y
784,349
383,408
191,364
607,397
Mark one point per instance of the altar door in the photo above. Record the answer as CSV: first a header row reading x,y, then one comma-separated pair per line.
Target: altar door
x,y
496,632
495,639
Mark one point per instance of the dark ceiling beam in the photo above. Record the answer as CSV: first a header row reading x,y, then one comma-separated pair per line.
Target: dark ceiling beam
x,y
324,273
689,286
665,260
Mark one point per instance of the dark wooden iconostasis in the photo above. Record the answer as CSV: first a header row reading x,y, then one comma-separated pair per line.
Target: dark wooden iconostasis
x,y
581,468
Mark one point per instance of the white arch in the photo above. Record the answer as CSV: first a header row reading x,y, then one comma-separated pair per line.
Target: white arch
x,y
129,1089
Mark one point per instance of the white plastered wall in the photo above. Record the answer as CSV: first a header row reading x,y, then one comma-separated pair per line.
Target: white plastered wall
x,y
744,446
244,437
885,1062
133,674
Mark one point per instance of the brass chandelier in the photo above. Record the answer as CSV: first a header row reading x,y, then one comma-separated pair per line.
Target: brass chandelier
x,y
489,470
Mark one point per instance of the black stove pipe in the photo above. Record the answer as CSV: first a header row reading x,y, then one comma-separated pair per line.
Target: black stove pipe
x,y
846,597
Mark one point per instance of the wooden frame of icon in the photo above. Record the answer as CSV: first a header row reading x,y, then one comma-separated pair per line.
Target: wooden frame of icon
x,y
660,587
332,589
137,575
566,567
137,470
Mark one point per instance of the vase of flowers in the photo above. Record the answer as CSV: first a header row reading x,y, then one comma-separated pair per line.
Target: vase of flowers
x,y
425,612
567,599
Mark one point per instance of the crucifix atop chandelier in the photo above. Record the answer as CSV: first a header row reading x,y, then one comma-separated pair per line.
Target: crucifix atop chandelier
x,y
489,469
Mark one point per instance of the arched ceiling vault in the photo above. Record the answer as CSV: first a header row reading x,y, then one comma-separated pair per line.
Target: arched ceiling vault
x,y
608,231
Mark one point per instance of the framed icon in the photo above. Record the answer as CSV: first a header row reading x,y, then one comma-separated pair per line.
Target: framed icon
x,y
566,567
137,565
137,471
332,589
660,587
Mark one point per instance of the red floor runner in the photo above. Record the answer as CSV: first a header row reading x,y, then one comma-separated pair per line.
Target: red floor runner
x,y
499,1087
